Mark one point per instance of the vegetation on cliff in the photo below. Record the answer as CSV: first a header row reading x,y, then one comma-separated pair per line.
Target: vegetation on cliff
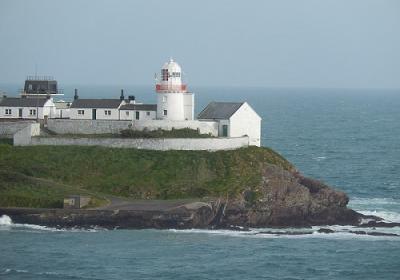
x,y
40,176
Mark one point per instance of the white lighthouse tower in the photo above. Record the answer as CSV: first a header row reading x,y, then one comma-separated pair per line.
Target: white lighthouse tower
x,y
174,101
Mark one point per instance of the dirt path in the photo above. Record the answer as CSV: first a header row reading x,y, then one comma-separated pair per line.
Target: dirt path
x,y
117,203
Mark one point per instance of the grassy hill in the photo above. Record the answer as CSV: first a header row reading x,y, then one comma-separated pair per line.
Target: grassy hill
x,y
40,176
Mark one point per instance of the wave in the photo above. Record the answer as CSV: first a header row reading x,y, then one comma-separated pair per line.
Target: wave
x,y
386,208
7,224
358,201
319,158
387,216
11,271
338,232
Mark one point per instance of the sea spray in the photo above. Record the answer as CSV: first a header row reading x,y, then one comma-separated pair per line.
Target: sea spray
x,y
5,220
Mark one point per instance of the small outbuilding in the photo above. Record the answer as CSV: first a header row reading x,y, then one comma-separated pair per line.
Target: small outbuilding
x,y
76,201
234,119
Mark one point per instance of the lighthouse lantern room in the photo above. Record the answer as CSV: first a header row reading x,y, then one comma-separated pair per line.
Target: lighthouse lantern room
x,y
174,101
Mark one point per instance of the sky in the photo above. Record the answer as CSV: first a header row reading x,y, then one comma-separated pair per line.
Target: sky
x,y
281,43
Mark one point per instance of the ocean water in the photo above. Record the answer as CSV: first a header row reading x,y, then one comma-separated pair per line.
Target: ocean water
x,y
349,139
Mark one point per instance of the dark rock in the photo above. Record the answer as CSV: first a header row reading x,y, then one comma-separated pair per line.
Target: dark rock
x,y
380,224
373,233
325,230
285,232
289,199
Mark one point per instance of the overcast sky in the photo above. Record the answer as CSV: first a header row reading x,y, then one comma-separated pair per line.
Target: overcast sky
x,y
281,43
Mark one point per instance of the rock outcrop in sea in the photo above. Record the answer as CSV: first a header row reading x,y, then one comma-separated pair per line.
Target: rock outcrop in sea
x,y
282,199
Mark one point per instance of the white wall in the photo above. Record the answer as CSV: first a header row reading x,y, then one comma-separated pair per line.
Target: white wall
x,y
173,103
8,129
188,103
132,115
100,114
62,113
62,126
245,121
48,110
207,144
23,137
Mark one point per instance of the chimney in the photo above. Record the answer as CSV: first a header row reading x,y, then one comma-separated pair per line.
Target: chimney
x,y
76,94
122,97
131,99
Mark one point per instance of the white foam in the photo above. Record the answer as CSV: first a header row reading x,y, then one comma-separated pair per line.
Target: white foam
x,y
7,224
357,201
5,220
319,158
341,232
387,216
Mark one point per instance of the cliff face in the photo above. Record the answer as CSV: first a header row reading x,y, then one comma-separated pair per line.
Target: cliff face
x,y
288,199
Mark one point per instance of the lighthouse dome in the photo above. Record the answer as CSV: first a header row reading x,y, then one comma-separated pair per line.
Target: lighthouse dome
x,y
172,66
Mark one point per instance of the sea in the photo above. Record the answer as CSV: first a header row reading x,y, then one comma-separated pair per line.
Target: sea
x,y
348,138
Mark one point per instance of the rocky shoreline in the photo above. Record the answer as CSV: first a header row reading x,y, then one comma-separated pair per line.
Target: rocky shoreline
x,y
282,199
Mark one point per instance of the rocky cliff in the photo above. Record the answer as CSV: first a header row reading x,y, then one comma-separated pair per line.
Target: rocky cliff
x,y
281,199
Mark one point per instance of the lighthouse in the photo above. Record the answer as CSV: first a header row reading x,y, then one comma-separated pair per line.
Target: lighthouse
x,y
174,101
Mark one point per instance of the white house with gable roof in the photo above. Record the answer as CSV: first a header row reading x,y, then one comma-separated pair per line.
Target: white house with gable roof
x,y
27,108
234,120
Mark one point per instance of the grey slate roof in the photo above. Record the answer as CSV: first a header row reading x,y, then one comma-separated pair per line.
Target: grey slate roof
x,y
96,103
219,110
139,107
22,102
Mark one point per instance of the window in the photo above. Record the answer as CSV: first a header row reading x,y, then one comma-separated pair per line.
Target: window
x,y
107,112
8,111
137,115
147,113
176,74
127,113
164,74
164,99
32,112
165,112
81,112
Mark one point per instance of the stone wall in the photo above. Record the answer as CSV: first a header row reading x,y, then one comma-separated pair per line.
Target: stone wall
x,y
115,126
23,137
210,144
8,129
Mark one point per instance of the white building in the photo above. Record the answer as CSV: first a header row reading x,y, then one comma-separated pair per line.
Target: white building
x,y
234,120
95,109
62,109
138,112
27,108
174,101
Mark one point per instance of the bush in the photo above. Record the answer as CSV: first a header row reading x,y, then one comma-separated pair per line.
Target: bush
x,y
160,133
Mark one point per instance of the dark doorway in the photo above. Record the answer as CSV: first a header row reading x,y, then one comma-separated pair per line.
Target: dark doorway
x,y
224,130
94,114
20,113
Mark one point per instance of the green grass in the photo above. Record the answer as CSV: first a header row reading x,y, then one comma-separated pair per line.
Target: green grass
x,y
46,173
